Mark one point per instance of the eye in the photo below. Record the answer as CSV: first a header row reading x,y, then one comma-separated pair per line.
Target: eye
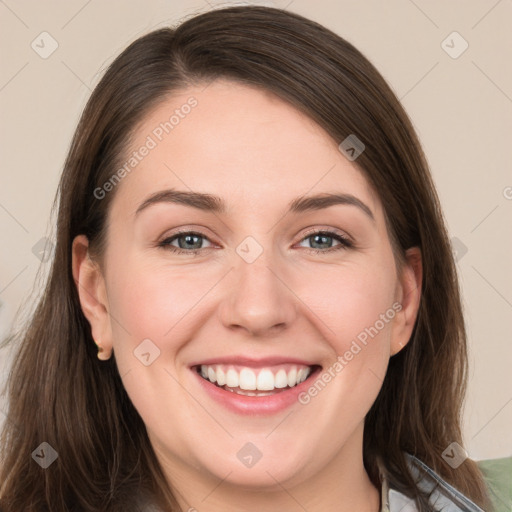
x,y
325,238
189,242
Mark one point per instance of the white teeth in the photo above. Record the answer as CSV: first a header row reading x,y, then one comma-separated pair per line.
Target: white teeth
x,y
221,377
301,375
232,378
265,380
249,379
292,377
281,379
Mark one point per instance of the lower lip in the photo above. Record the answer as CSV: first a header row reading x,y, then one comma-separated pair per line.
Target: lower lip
x,y
242,404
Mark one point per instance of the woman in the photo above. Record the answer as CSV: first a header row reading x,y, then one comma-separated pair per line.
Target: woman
x,y
240,367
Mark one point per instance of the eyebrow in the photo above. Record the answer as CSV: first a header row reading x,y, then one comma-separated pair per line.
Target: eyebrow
x,y
215,204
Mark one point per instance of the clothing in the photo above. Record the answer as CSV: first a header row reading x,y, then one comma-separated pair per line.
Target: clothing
x,y
443,496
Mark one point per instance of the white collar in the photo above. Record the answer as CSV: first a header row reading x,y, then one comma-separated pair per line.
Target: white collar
x,y
442,495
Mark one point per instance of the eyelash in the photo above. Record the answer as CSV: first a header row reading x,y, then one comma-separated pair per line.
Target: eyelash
x,y
344,242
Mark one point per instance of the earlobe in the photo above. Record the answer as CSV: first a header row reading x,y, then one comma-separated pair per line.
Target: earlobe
x,y
91,290
410,297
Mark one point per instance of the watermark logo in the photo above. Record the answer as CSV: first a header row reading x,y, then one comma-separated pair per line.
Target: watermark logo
x,y
351,147
45,455
147,352
459,249
249,249
249,455
43,249
44,45
454,45
454,455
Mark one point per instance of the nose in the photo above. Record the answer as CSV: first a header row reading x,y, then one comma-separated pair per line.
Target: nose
x,y
259,300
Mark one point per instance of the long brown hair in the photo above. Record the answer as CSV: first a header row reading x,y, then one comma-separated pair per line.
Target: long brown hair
x,y
61,394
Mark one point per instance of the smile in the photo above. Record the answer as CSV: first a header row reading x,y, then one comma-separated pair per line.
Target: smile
x,y
255,382
254,387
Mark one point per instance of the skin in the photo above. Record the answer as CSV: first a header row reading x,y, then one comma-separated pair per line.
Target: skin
x,y
257,153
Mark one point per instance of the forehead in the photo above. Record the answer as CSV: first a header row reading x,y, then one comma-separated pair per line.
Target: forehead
x,y
239,142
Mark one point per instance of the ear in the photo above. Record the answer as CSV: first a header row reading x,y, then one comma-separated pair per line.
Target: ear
x,y
409,295
92,294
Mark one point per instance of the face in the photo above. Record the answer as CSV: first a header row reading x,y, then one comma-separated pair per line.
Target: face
x,y
254,294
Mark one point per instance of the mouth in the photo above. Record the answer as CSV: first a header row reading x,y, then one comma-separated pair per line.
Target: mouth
x,y
256,382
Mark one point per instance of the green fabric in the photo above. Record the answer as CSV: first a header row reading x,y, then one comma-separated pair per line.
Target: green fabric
x,y
498,475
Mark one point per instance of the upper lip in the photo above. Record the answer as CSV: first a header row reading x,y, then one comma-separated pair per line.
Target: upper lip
x,y
254,363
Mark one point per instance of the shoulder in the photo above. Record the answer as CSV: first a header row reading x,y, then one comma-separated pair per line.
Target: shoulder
x,y
443,496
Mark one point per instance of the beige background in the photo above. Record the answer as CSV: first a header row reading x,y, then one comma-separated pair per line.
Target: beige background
x,y
461,108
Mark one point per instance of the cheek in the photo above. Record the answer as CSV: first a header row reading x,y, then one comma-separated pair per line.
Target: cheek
x,y
151,314
164,304
351,300
152,303
343,393
355,306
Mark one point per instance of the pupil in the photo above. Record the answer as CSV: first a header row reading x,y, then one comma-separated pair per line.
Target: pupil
x,y
324,237
187,241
